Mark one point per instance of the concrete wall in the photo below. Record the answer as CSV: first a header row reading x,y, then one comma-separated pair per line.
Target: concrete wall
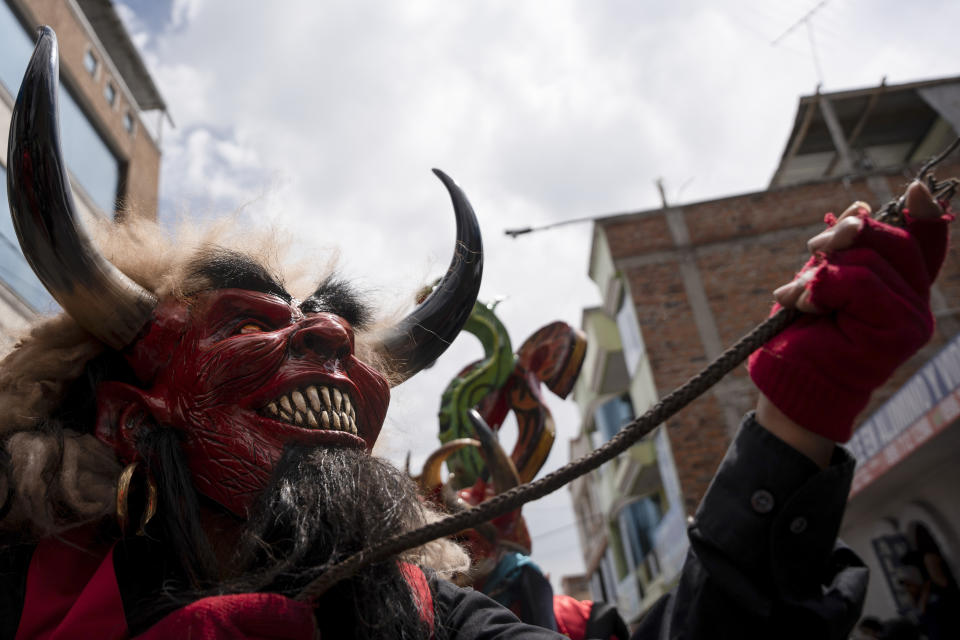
x,y
647,468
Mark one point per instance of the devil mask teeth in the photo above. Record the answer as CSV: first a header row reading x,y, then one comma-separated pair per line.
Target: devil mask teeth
x,y
315,408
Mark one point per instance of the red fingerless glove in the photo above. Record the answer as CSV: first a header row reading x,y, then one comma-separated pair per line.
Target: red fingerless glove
x,y
248,616
874,296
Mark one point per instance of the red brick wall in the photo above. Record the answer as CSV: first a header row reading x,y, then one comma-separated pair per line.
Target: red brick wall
x,y
638,236
743,248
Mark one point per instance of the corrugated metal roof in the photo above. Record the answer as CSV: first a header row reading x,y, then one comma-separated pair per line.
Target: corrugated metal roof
x,y
884,127
123,53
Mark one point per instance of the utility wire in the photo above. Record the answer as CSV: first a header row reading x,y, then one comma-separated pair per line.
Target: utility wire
x,y
813,52
799,22
805,20
513,233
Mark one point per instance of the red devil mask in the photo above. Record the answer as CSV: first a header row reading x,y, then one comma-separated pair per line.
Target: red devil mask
x,y
240,373
233,368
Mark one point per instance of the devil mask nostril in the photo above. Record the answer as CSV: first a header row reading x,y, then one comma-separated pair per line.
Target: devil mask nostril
x,y
323,345
328,338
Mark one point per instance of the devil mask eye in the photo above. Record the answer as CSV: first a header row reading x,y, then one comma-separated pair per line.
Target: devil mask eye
x,y
250,327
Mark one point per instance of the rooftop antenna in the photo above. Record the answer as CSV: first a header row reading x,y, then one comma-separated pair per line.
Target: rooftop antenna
x,y
806,20
663,192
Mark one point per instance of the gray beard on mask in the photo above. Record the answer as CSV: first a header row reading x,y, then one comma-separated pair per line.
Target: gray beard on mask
x,y
322,505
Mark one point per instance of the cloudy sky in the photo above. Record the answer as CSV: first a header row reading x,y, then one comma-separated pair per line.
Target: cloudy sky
x,y
326,116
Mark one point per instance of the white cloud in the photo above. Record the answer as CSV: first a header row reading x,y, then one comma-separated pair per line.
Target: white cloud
x,y
327,116
139,31
183,12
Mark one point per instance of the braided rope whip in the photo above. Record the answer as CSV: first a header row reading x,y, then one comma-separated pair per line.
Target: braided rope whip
x,y
514,498
891,213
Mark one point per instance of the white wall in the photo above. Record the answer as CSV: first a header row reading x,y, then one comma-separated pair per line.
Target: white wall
x,y
922,488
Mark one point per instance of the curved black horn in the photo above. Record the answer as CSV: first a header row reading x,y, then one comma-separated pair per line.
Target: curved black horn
x,y
503,473
419,339
96,294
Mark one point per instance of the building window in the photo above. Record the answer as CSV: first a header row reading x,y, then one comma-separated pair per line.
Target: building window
x,y
15,273
638,521
110,93
630,336
610,417
128,122
91,162
90,63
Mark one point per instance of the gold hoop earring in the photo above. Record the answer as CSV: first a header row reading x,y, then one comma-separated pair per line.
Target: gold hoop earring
x,y
150,509
123,497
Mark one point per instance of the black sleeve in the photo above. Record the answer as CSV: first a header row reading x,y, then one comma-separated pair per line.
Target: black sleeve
x,y
536,605
605,622
14,564
465,614
764,561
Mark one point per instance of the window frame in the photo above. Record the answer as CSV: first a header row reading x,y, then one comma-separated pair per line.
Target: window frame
x,y
110,93
92,57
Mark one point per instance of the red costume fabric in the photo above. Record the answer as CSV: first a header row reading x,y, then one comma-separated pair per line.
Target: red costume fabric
x,y
874,293
72,592
421,591
572,616
248,616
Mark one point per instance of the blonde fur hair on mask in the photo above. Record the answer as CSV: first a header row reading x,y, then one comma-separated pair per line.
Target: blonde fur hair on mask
x,y
51,477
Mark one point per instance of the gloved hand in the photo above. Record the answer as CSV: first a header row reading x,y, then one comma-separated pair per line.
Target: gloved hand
x,y
248,616
866,293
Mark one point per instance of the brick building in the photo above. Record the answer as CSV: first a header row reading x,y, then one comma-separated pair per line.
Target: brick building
x,y
680,284
112,156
